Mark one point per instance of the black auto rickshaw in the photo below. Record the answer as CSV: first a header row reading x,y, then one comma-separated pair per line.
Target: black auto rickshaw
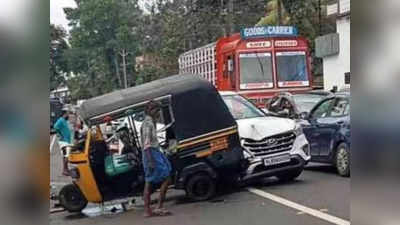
x,y
194,116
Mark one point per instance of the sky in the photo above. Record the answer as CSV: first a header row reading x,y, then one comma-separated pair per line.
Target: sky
x,y
57,15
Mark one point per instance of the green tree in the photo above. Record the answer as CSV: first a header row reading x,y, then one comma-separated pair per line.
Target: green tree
x,y
174,27
58,65
275,14
104,41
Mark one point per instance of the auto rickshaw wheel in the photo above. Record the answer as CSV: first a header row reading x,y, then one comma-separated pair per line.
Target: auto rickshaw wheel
x,y
72,199
200,187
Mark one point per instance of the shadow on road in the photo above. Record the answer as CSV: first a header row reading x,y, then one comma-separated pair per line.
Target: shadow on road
x,y
321,168
76,216
272,182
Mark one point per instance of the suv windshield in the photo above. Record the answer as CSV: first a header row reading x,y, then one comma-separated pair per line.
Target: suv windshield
x,y
255,70
292,69
241,108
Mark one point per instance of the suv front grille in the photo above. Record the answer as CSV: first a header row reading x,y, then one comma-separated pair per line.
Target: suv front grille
x,y
277,143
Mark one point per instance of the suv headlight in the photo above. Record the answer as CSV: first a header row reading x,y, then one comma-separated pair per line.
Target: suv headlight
x,y
298,130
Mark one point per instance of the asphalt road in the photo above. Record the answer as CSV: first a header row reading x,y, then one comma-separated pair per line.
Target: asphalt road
x,y
318,190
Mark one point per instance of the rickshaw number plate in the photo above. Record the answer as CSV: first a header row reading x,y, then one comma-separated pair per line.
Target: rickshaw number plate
x,y
277,160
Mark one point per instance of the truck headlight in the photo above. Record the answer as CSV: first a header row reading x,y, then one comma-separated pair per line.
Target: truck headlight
x,y
298,130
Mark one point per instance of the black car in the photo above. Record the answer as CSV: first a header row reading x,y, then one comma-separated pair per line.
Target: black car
x,y
327,128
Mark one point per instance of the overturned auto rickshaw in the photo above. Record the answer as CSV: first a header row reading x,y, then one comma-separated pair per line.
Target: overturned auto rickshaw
x,y
199,136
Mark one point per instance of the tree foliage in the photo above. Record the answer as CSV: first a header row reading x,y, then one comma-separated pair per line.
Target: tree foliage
x,y
173,27
103,31
58,64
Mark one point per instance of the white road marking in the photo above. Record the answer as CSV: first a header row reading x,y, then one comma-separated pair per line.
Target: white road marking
x,y
309,211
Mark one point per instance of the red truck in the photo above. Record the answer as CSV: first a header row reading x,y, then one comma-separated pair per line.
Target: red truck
x,y
258,62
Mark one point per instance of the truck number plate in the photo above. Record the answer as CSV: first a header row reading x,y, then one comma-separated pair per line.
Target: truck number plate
x,y
276,160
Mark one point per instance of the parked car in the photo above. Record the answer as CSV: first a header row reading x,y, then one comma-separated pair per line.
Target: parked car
x,y
276,146
290,105
327,128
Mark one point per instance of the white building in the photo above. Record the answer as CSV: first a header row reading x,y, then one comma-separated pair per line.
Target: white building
x,y
335,48
61,92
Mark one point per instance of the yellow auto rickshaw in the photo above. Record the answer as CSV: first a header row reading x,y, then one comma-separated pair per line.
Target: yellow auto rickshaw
x,y
198,133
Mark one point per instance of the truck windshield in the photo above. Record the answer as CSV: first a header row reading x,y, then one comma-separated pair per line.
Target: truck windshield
x,y
292,69
255,70
241,108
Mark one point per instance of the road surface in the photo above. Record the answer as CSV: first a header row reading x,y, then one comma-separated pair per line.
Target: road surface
x,y
318,197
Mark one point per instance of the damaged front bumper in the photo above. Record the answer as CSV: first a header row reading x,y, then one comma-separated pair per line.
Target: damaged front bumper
x,y
299,157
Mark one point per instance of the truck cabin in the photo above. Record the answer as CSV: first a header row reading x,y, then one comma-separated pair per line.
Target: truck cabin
x,y
258,67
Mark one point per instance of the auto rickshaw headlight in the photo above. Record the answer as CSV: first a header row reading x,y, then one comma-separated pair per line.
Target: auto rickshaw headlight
x,y
74,173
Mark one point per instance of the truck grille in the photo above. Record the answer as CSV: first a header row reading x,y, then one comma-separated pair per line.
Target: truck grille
x,y
269,145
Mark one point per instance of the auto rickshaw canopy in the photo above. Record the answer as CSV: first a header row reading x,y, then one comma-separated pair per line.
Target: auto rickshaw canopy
x,y
197,107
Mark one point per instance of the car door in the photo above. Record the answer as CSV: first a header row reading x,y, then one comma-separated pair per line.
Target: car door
x,y
313,128
330,125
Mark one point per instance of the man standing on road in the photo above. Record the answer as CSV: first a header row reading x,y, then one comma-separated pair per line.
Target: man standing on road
x,y
64,133
157,168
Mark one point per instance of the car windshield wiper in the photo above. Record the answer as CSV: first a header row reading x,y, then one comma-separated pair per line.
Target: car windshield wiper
x,y
259,62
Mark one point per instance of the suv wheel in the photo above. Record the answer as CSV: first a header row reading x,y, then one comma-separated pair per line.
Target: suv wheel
x,y
342,160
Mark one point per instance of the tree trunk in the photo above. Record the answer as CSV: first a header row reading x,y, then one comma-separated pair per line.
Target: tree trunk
x,y
223,19
279,8
116,64
231,17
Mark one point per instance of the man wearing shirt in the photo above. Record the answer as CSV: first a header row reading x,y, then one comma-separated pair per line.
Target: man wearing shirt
x,y
157,168
65,138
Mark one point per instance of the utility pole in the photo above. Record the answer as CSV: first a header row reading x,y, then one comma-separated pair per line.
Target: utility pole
x,y
123,54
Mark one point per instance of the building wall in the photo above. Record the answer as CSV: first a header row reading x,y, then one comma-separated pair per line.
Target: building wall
x,y
336,66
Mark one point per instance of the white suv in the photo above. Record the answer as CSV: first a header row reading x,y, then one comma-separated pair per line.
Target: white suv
x,y
273,146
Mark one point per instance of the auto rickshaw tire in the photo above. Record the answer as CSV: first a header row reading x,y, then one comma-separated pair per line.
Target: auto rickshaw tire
x,y
290,175
200,187
72,199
